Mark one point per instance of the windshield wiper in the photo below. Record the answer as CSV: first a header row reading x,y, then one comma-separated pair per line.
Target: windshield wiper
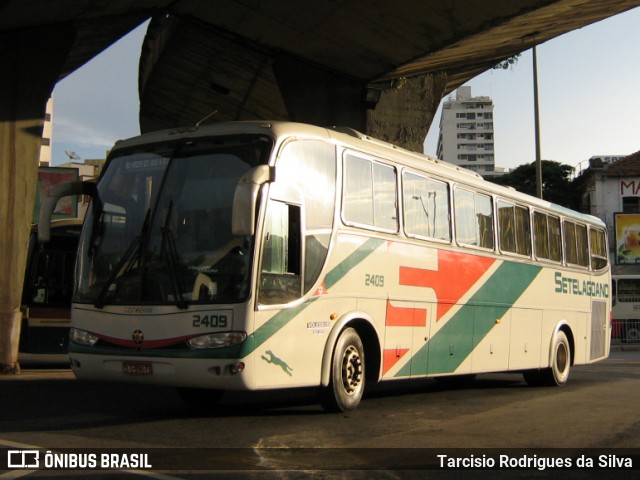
x,y
132,252
169,245
97,227
128,255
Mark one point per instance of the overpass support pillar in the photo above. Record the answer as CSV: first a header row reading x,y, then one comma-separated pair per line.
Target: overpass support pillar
x,y
404,114
31,62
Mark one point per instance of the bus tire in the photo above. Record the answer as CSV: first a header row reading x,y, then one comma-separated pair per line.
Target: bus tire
x,y
347,381
199,398
558,373
560,360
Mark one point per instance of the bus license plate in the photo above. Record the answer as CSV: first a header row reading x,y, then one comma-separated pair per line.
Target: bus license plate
x,y
136,368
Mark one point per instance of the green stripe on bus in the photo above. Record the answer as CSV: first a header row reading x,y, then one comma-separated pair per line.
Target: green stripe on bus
x,y
283,317
455,341
273,325
362,252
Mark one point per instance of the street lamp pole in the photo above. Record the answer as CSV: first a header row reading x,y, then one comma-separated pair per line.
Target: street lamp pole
x,y
537,125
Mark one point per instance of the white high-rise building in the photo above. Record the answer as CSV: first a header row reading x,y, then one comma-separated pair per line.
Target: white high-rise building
x,y
44,159
466,132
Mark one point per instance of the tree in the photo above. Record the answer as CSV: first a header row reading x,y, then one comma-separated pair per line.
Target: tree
x,y
556,181
507,63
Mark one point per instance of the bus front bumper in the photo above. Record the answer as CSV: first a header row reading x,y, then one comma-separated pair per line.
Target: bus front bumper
x,y
224,374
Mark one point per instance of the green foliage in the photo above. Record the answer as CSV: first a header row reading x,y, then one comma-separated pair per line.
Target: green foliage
x,y
507,63
556,181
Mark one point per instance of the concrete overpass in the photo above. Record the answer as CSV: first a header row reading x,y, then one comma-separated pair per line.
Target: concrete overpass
x,y
321,61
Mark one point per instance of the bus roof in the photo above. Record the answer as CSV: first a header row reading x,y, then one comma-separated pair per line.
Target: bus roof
x,y
350,138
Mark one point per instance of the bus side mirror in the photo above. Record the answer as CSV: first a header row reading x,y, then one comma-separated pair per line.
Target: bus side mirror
x,y
49,204
245,198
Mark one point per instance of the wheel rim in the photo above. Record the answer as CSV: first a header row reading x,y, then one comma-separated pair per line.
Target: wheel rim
x,y
562,358
351,370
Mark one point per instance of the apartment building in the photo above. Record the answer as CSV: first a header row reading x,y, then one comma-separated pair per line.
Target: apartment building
x,y
466,132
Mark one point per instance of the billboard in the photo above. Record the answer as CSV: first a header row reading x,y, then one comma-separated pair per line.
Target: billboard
x,y
48,179
627,231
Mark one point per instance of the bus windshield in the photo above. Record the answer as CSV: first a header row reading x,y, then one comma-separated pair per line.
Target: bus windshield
x,y
160,230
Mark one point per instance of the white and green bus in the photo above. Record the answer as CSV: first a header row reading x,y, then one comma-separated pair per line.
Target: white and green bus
x,y
251,256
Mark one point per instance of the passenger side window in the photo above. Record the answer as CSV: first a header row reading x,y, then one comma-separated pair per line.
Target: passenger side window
x,y
473,218
370,194
514,228
426,207
547,237
598,249
575,244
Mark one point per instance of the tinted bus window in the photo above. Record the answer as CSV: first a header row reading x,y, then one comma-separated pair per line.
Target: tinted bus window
x,y
598,249
547,237
628,290
575,244
514,228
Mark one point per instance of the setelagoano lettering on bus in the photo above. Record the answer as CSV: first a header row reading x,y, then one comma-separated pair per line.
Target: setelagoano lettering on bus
x,y
574,286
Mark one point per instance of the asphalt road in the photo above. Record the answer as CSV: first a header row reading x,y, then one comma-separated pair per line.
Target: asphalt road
x,y
398,430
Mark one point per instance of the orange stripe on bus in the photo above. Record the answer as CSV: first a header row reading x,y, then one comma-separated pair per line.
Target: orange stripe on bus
x,y
405,317
456,274
391,357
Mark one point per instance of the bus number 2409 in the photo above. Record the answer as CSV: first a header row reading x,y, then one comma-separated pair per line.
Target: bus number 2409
x,y
374,280
210,321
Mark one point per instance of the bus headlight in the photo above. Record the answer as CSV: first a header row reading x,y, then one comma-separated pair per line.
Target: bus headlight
x,y
82,337
215,340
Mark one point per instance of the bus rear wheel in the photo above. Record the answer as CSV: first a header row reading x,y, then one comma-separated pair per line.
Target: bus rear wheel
x,y
346,386
558,373
561,361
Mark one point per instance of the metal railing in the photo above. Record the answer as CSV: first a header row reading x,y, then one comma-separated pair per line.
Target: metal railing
x,y
625,332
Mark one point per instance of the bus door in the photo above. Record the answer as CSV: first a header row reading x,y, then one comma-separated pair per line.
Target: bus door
x,y
279,284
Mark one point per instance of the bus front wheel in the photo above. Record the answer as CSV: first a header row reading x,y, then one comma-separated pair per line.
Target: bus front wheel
x,y
346,385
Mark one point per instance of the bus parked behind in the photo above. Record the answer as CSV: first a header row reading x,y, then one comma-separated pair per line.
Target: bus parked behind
x,y
47,289
626,308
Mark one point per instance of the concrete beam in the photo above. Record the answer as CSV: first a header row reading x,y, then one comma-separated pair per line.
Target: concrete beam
x,y
317,96
401,115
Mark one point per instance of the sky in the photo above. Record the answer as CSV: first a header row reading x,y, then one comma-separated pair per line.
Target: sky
x,y
588,89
